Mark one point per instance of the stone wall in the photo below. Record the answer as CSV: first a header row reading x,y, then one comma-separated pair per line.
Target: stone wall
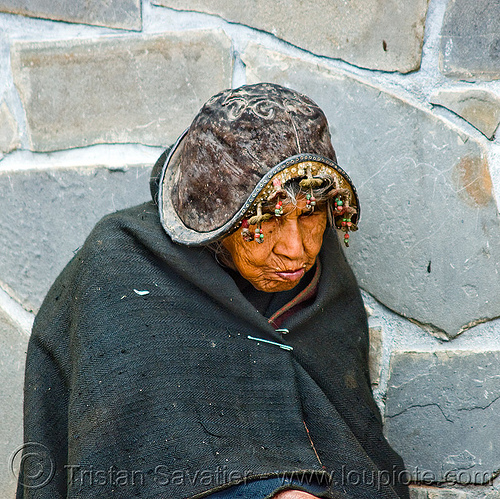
x,y
91,94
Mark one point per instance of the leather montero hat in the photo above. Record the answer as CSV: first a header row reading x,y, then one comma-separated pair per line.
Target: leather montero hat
x,y
243,143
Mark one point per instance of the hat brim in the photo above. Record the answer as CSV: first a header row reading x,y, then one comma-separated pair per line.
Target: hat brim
x,y
182,234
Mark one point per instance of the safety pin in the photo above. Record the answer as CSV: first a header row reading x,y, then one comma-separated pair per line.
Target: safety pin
x,y
283,330
283,347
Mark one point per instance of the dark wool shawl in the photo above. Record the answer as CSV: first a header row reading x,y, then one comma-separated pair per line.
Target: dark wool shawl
x,y
162,395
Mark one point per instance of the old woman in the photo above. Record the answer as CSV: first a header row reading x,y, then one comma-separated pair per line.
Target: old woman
x,y
213,343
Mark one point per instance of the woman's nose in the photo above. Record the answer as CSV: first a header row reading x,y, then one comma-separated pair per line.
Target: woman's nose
x,y
290,242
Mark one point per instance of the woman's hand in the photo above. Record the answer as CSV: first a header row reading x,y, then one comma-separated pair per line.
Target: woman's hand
x,y
293,494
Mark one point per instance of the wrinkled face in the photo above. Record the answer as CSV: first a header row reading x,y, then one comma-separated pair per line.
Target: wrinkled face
x,y
291,244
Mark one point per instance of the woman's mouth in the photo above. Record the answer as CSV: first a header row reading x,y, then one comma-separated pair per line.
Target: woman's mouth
x,y
292,275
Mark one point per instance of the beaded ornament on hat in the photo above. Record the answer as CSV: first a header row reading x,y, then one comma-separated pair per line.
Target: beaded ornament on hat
x,y
313,175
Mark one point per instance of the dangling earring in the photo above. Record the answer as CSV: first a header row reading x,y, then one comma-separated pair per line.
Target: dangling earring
x,y
343,209
257,220
310,201
310,183
277,196
246,234
339,205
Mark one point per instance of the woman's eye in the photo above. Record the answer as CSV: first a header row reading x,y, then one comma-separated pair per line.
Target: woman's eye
x,y
310,213
307,213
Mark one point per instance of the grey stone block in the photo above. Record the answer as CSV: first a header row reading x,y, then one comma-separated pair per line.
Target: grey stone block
x,y
429,240
443,414
13,344
470,40
120,89
436,493
479,107
376,34
9,132
124,14
46,216
375,354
